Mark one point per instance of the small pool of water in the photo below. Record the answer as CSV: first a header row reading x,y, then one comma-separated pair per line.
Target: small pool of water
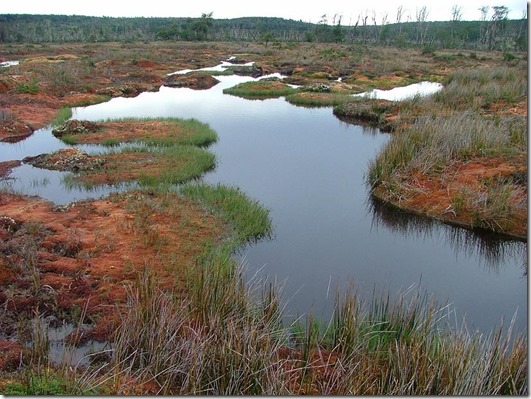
x,y
403,93
222,67
6,64
308,168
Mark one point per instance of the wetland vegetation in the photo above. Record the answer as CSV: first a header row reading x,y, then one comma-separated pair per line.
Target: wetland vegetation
x,y
149,271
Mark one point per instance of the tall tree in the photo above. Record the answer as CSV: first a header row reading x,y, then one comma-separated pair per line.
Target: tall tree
x,y
202,26
499,25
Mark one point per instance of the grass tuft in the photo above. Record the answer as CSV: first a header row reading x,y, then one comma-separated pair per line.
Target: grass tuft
x,y
248,218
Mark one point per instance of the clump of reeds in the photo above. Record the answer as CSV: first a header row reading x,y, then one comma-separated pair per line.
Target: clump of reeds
x,y
225,340
219,342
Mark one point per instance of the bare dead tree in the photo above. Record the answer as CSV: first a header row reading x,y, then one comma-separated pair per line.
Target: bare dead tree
x,y
457,13
456,17
422,26
364,16
497,31
384,15
521,28
399,15
374,23
483,29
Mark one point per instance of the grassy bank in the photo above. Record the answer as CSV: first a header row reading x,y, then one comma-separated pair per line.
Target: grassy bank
x,y
150,131
454,158
148,166
169,150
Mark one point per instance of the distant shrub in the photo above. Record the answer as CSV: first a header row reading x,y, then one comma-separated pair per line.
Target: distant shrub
x,y
31,87
507,56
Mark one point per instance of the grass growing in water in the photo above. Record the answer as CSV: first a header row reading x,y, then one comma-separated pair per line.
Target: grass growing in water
x,y
173,131
151,131
150,166
261,89
63,115
248,218
317,99
366,110
171,153
437,137
225,341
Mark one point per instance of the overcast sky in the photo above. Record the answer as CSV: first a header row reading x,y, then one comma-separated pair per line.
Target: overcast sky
x,y
307,11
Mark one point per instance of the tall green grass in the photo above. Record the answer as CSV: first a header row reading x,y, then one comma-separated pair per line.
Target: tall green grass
x,y
219,343
434,143
227,338
181,163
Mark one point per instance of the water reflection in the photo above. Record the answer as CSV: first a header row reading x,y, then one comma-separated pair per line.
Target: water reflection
x,y
56,186
6,64
366,127
308,168
403,93
493,250
218,68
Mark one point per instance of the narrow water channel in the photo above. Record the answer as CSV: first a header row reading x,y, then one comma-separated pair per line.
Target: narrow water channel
x,y
307,167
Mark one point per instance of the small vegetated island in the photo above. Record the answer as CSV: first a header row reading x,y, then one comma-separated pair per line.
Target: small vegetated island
x,y
149,270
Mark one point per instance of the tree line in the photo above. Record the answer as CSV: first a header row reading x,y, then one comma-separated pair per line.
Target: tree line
x,y
493,30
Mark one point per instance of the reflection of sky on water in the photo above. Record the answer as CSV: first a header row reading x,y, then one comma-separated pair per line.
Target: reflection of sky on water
x,y
403,93
308,168
218,68
6,64
49,184
40,142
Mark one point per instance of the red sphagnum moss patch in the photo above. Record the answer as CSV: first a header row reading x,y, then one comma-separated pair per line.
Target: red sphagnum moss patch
x,y
86,254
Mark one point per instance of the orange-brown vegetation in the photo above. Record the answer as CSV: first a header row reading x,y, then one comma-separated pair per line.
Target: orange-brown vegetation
x,y
85,255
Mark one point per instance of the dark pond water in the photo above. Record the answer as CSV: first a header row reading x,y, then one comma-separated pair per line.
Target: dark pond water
x,y
307,167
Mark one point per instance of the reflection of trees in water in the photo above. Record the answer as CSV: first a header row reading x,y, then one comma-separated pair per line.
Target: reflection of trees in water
x,y
367,128
492,249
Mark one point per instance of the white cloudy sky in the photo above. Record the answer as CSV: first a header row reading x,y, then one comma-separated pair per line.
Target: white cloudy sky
x,y
307,11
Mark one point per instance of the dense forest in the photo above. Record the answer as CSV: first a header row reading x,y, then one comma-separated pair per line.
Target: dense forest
x,y
493,31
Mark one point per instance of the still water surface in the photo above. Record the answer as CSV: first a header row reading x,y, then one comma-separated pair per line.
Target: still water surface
x,y
307,167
